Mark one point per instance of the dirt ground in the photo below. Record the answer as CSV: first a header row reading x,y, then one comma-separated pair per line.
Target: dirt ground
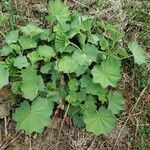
x,y
136,114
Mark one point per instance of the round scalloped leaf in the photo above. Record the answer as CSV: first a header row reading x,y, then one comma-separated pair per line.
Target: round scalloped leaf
x,y
101,122
12,37
72,97
91,52
90,87
27,42
30,83
31,30
34,57
33,118
5,51
138,53
73,84
78,120
67,65
81,58
21,62
46,51
108,73
58,11
116,102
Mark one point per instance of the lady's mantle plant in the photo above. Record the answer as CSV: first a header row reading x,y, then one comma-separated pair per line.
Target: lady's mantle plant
x,y
74,62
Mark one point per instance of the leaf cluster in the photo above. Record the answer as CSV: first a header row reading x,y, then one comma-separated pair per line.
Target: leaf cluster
x,y
76,61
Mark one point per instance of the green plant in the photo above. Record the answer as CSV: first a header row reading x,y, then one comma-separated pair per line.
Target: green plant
x,y
74,62
144,136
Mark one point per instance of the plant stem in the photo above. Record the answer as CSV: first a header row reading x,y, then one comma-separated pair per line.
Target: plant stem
x,y
63,121
2,34
75,46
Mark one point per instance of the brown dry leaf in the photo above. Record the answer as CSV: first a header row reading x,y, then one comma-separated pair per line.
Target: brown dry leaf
x,y
56,123
4,110
4,104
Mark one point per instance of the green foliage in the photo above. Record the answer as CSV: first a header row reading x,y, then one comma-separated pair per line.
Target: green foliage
x,y
12,37
31,30
116,102
6,50
58,11
100,122
67,64
21,62
27,43
2,19
35,117
138,53
108,73
46,52
30,83
75,61
4,76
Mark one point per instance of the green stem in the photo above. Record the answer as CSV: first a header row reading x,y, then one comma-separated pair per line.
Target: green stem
x,y
9,8
75,45
2,34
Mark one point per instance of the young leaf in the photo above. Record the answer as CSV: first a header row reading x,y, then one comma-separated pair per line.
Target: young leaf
x,y
122,52
116,102
81,96
87,23
33,118
81,70
91,88
90,103
91,51
70,49
58,11
4,76
100,122
61,28
138,53
5,51
67,65
21,62
72,97
47,35
31,30
16,87
102,96
104,44
34,57
81,58
46,68
30,83
17,48
78,121
41,84
108,73
53,96
73,84
94,39
46,51
12,37
61,42
27,43
81,38
73,110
